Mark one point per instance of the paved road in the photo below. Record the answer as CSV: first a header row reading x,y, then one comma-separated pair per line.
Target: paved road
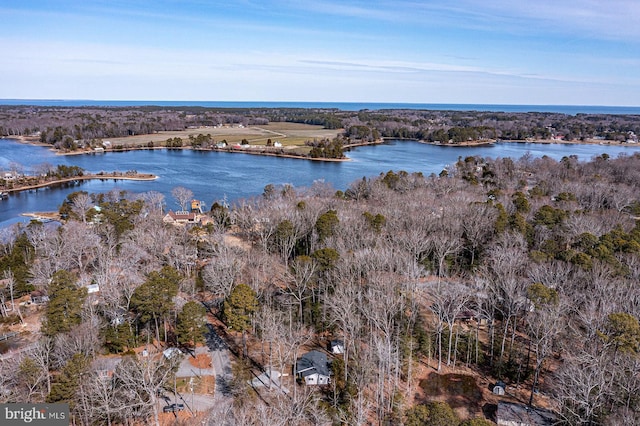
x,y
221,363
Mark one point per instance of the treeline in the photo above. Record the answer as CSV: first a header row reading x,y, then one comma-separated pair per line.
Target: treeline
x,y
457,126
326,148
523,271
63,127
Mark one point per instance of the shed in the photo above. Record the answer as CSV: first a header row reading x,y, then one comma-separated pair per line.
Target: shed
x,y
336,346
499,388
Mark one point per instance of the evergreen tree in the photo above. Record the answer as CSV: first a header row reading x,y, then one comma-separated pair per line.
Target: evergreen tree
x,y
431,414
238,308
327,224
191,324
18,260
64,310
153,300
66,384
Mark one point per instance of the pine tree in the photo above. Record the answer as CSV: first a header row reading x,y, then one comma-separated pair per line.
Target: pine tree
x,y
153,300
238,308
191,324
64,310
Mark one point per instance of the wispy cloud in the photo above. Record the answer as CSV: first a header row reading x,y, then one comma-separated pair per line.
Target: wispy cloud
x,y
400,49
611,19
426,67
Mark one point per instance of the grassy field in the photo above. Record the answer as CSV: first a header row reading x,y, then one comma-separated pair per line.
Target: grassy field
x,y
288,134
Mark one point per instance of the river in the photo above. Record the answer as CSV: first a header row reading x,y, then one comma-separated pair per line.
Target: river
x,y
214,176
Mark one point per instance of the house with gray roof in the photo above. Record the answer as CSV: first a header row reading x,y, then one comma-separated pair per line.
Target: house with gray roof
x,y
313,367
512,414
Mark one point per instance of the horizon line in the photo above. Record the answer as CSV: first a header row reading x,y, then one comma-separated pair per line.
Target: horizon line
x,y
307,102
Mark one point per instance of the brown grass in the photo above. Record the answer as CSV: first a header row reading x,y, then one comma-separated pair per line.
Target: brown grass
x,y
289,134
201,361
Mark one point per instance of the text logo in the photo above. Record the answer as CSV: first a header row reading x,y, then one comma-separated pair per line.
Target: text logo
x,y
35,414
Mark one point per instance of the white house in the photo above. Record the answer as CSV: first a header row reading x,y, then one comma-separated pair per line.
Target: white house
x,y
336,347
171,352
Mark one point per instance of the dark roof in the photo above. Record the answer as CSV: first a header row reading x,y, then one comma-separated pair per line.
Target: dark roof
x,y
313,362
525,415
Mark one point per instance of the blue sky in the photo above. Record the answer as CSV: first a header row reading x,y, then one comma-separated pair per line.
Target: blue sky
x,y
566,52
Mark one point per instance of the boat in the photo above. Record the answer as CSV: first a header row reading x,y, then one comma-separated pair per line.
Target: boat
x,y
4,195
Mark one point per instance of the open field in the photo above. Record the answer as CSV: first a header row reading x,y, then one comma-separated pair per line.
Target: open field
x,y
289,134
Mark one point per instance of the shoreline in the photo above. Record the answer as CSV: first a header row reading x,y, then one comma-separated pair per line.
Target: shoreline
x,y
91,176
255,150
43,216
572,142
264,151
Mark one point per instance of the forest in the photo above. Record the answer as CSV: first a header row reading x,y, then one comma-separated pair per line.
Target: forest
x,y
519,272
65,127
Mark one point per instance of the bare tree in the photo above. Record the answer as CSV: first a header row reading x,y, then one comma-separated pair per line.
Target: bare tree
x,y
141,379
299,280
183,197
507,262
222,271
543,327
154,201
447,300
11,283
582,385
81,205
79,243
343,311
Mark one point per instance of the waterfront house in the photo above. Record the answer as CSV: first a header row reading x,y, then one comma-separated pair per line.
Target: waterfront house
x,y
180,217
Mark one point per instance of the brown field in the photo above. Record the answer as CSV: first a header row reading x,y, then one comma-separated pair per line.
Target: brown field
x,y
289,134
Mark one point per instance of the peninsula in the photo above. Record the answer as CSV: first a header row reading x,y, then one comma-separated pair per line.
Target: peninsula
x,y
16,183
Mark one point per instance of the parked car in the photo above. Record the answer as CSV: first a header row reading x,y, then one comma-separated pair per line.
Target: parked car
x,y
172,408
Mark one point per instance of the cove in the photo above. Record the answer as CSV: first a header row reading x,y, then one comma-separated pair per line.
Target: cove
x,y
214,176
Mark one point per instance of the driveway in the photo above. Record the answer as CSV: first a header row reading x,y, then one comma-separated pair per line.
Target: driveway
x,y
220,368
187,370
221,363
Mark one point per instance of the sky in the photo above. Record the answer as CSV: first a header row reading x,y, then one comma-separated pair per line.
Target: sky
x,y
542,52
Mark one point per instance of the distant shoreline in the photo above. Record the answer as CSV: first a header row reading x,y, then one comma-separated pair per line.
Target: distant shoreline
x,y
341,106
259,150
264,151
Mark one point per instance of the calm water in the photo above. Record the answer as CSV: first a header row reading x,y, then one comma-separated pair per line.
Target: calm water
x,y
215,175
344,106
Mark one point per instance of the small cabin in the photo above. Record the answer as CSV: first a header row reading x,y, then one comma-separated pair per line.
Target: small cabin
x,y
336,347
